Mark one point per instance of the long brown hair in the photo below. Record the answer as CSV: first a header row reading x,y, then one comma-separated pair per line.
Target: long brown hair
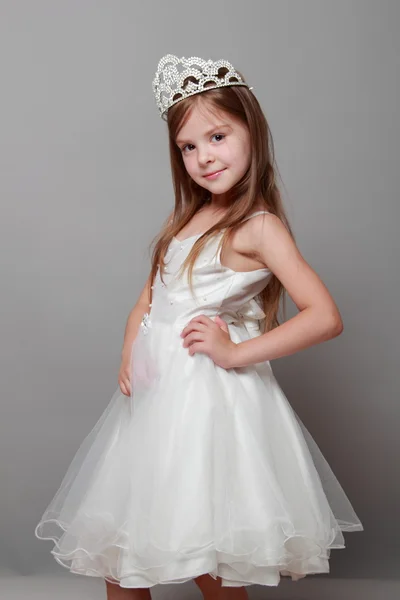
x,y
257,188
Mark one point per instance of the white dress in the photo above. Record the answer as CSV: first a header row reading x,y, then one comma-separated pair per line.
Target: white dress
x,y
202,469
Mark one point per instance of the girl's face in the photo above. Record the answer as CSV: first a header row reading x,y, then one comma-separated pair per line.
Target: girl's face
x,y
209,144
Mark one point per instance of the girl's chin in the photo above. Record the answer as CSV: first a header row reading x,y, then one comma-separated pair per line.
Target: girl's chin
x,y
214,184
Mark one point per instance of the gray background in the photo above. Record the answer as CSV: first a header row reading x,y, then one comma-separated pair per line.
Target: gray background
x,y
85,184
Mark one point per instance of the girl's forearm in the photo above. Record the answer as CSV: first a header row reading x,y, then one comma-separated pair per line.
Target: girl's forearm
x,y
307,328
132,328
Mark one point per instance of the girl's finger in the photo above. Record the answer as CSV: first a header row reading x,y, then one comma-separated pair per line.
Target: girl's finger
x,y
197,347
193,327
125,388
195,336
222,324
202,319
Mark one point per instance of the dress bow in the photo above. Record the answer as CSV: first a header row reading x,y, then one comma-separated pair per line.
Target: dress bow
x,y
249,314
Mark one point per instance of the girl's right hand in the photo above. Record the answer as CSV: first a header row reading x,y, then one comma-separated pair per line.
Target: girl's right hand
x,y
124,377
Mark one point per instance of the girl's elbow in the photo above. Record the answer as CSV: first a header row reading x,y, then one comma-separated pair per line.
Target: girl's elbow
x,y
339,328
335,325
330,323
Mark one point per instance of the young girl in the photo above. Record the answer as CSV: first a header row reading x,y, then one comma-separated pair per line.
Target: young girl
x,y
199,468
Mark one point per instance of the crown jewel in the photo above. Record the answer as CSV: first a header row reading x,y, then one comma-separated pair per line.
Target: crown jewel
x,y
177,78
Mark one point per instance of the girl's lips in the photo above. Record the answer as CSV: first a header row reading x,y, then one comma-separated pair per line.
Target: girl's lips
x,y
214,175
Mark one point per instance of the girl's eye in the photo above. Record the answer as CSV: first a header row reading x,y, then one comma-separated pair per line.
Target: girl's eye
x,y
216,135
184,147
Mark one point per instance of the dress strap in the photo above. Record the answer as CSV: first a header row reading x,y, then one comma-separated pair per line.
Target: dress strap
x,y
259,212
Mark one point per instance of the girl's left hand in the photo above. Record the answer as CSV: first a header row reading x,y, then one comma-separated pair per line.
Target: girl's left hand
x,y
209,337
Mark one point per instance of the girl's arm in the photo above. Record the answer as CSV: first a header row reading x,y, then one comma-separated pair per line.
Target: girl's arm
x,y
318,319
134,320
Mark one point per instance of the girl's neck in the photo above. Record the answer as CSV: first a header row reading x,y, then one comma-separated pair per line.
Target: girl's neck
x,y
220,201
213,209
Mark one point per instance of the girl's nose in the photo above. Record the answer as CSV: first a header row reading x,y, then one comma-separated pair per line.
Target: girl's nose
x,y
204,156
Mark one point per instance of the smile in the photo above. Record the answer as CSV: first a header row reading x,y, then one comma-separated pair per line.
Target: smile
x,y
214,175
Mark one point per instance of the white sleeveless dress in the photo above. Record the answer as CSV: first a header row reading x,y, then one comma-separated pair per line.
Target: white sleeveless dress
x,y
202,469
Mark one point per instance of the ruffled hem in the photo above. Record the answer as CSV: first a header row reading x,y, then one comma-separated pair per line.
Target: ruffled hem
x,y
178,481
117,562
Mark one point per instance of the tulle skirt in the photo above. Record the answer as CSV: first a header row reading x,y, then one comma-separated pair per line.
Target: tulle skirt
x,y
201,470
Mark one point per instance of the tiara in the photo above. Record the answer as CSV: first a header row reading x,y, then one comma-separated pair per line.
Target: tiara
x,y
177,78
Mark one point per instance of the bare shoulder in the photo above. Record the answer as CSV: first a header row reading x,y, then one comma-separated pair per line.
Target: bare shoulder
x,y
267,219
265,230
273,243
248,242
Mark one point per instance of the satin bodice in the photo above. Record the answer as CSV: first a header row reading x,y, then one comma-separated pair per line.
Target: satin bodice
x,y
217,289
